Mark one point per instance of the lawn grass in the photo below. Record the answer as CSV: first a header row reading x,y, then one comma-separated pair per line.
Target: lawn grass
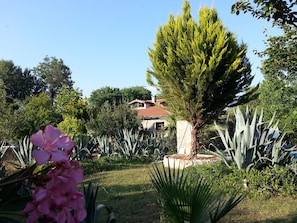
x,y
128,191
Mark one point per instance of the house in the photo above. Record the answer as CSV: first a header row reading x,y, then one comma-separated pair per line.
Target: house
x,y
151,112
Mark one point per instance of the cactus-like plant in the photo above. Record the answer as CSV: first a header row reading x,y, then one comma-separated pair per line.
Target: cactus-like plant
x,y
131,143
24,152
84,148
254,143
105,145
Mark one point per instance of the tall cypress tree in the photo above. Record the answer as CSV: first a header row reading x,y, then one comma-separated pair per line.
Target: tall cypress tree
x,y
199,67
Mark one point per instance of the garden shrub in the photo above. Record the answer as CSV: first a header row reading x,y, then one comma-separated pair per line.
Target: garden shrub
x,y
271,181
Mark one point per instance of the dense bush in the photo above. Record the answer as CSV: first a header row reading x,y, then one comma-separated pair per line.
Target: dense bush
x,y
271,181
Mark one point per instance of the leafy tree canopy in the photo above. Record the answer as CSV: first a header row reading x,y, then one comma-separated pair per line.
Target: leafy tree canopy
x,y
200,68
137,92
6,116
18,84
54,74
109,120
103,95
279,89
116,96
38,113
279,11
74,110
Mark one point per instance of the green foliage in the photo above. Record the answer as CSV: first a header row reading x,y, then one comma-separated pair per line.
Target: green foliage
x,y
280,12
254,143
12,202
54,74
112,163
104,95
38,113
23,152
130,144
74,110
278,90
109,120
199,67
265,183
7,119
18,84
84,148
132,93
116,96
93,210
105,145
187,199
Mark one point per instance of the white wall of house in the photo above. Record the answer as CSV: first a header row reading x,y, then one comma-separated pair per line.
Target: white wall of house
x,y
150,124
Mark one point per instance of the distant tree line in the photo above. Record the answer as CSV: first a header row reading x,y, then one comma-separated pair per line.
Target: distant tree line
x,y
30,99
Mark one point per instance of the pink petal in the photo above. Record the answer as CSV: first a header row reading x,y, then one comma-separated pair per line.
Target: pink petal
x,y
61,217
51,133
41,156
33,217
65,142
44,206
29,207
81,214
58,156
40,194
38,139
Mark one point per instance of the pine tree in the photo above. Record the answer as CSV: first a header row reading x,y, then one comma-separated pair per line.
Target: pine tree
x,y
199,67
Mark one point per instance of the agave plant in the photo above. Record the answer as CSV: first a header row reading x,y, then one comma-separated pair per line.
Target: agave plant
x,y
105,146
24,152
131,143
84,148
94,210
189,200
254,143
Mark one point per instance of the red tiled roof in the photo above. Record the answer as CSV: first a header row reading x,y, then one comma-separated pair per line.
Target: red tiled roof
x,y
153,111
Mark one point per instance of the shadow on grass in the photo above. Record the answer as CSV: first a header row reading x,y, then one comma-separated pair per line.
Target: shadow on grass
x,y
109,164
130,203
138,203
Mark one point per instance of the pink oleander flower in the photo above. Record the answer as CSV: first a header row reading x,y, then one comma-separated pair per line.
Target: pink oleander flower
x,y
53,145
59,199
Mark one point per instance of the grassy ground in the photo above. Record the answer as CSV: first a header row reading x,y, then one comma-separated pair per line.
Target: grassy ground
x,y
128,192
127,189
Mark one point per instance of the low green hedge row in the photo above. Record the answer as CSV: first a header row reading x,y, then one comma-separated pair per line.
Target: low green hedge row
x,y
271,181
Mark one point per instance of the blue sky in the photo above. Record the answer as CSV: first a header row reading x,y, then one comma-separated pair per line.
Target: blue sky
x,y
105,42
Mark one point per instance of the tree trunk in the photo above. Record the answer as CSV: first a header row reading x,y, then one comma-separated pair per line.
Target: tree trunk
x,y
195,141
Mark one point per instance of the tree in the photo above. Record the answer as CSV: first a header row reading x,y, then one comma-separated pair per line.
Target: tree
x,y
200,68
103,95
18,84
131,93
54,74
37,113
279,11
279,88
6,116
74,110
109,120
